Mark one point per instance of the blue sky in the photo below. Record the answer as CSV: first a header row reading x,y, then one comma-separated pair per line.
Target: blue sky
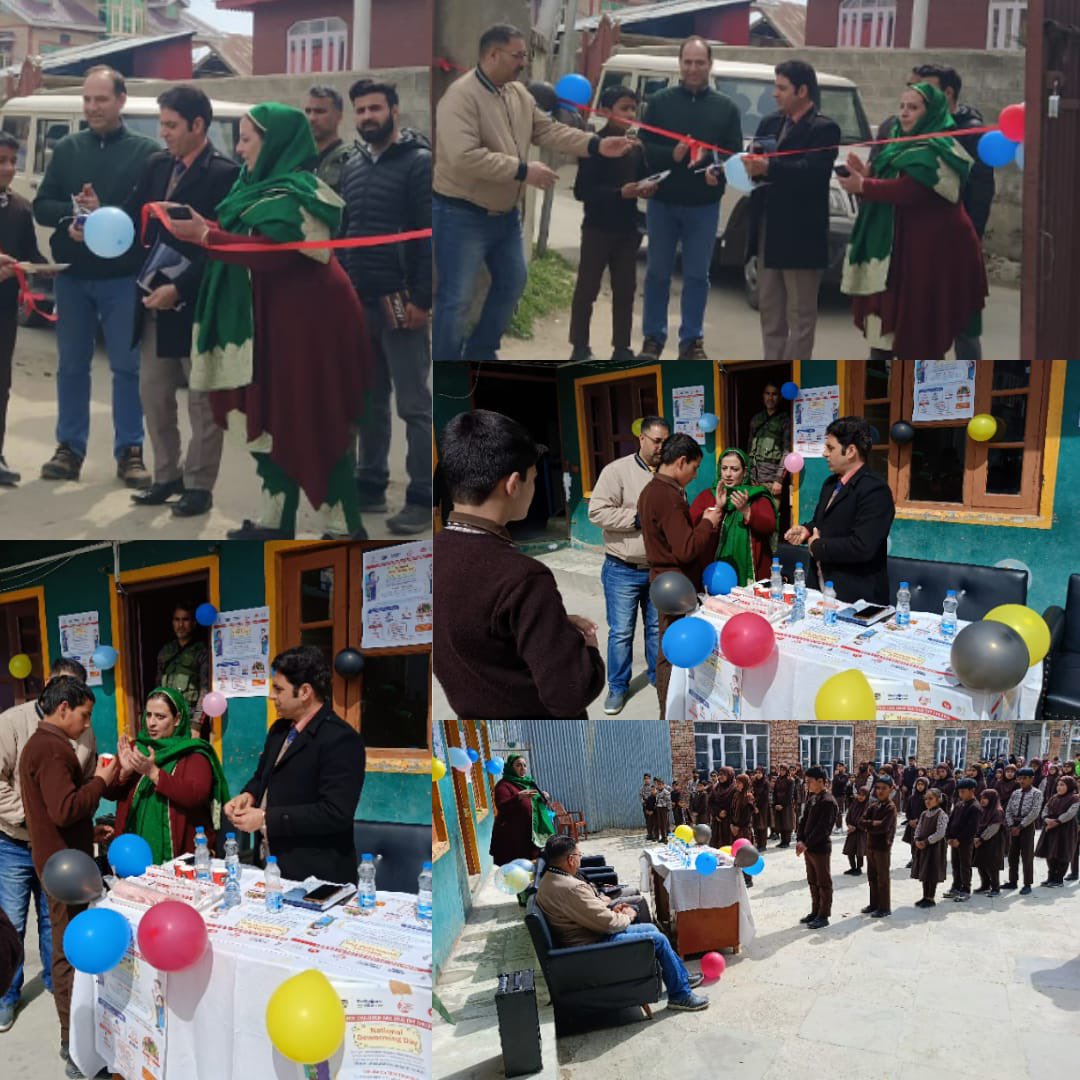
x,y
233,22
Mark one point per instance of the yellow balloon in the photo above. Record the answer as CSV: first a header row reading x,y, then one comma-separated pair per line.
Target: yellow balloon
x,y
305,1018
982,427
726,849
1030,625
635,427
847,696
684,832
438,769
20,665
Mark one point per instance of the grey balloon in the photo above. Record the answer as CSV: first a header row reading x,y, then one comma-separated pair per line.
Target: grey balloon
x,y
673,593
72,877
747,856
990,656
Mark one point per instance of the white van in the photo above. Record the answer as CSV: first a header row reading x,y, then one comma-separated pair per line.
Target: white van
x,y
40,121
650,68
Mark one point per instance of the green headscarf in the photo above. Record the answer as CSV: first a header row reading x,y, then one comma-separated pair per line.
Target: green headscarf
x,y
735,547
149,813
543,824
282,201
939,163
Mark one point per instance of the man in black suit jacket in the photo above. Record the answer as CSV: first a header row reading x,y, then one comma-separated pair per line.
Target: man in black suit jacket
x,y
849,533
306,787
789,212
192,172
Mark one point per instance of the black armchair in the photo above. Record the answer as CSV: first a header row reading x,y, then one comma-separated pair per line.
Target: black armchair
x,y
399,849
789,555
978,588
594,979
1060,698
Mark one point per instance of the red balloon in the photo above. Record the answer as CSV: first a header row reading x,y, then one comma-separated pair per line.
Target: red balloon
x,y
747,640
172,936
737,845
712,965
1011,122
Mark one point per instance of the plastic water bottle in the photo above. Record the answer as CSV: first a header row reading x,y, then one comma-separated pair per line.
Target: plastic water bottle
x,y
776,583
903,604
948,615
423,894
232,871
202,857
272,882
366,884
798,610
829,603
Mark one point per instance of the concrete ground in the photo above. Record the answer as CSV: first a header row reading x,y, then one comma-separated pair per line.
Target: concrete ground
x,y
732,327
99,506
990,987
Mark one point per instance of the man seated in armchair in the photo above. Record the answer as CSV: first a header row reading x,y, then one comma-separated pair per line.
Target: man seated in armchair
x,y
577,914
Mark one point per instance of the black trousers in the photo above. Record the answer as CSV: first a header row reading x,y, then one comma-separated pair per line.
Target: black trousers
x,y
819,878
1022,848
616,252
9,325
650,823
877,877
961,866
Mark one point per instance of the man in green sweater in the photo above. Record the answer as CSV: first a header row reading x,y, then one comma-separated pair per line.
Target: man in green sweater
x,y
95,167
686,208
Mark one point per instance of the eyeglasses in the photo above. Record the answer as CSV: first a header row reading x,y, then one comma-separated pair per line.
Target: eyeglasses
x,y
654,440
522,55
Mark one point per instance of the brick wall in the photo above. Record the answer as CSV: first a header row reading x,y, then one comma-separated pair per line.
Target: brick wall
x,y
683,760
784,741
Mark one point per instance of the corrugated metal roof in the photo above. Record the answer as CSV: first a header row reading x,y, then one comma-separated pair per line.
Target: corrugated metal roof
x,y
642,12
61,14
234,50
98,50
787,18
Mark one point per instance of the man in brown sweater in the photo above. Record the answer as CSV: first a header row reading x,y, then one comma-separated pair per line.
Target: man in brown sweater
x,y
504,646
672,542
813,842
60,809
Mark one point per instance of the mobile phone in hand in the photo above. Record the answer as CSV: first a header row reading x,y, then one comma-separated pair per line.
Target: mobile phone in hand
x,y
179,213
841,170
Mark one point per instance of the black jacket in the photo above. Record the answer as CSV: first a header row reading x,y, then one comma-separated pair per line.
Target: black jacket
x,y
388,195
313,794
599,183
818,819
854,533
202,187
793,197
964,821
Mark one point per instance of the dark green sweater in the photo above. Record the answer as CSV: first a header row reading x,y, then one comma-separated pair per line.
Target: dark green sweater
x,y
707,115
112,164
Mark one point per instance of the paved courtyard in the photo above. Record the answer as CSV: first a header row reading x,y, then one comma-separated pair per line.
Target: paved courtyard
x,y
986,988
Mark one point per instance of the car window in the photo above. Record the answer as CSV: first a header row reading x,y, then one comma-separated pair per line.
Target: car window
x,y
614,78
49,133
647,85
19,128
754,98
223,132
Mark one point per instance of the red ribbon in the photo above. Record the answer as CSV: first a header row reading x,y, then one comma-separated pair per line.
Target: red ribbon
x,y
28,299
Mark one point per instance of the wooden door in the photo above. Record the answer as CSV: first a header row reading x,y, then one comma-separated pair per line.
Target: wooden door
x,y
20,632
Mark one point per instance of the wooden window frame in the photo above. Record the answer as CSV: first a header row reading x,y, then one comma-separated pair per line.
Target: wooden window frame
x,y
440,831
479,787
465,811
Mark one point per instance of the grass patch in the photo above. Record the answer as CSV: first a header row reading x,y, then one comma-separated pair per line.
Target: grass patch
x,y
550,288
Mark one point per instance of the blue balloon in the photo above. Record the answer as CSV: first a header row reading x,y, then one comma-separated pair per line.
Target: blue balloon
x,y
95,940
109,232
474,755
104,657
995,150
706,863
206,614
720,578
130,855
495,766
736,174
459,758
708,422
574,88
789,391
689,642
1019,159
756,869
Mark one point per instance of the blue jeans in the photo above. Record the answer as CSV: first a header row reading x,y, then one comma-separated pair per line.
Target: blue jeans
x,y
18,882
626,590
82,304
669,225
463,239
671,967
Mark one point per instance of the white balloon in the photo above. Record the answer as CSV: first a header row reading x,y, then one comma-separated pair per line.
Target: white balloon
x,y
1016,564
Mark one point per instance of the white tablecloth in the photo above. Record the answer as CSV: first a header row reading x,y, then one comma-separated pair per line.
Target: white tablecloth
x,y
688,890
215,1026
908,669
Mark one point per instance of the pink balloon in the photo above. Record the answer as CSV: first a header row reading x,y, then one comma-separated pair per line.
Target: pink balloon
x,y
172,936
747,640
740,843
794,462
712,965
215,703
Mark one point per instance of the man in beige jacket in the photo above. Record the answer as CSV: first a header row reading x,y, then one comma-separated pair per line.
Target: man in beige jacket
x,y
576,915
485,124
625,574
18,880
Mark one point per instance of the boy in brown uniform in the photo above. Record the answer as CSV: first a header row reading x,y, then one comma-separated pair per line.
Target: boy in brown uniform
x,y
60,808
879,823
814,844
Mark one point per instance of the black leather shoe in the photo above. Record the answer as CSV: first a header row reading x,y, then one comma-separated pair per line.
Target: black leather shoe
x,y
880,914
1008,884
250,531
193,503
817,924
1026,890
808,918
869,909
8,476
156,494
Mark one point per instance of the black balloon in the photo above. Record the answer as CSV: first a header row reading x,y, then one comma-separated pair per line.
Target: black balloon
x,y
673,593
570,117
544,95
72,877
746,856
902,432
990,656
348,662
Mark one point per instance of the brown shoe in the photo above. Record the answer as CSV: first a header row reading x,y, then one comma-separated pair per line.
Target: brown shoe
x,y
130,468
651,349
692,349
65,464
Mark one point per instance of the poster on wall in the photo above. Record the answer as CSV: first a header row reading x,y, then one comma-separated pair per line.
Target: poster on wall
x,y
397,596
387,1031
240,652
689,404
944,390
80,635
816,408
